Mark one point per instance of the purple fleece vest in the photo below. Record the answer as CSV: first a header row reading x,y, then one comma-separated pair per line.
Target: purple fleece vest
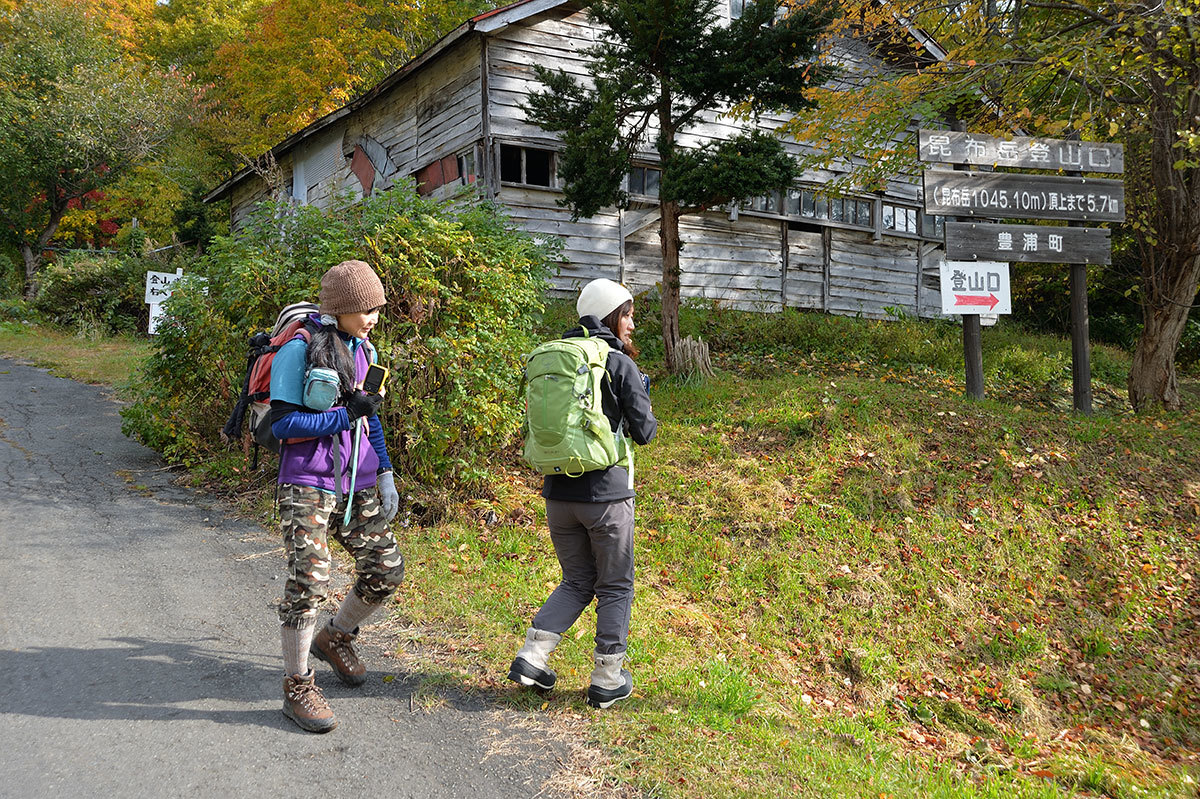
x,y
311,463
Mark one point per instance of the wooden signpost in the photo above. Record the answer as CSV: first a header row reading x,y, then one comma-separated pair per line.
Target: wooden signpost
x,y
970,195
1004,195
975,241
974,149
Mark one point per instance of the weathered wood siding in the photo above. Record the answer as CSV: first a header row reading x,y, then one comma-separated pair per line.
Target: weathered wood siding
x,y
548,39
436,113
739,264
867,276
932,257
805,284
248,194
591,247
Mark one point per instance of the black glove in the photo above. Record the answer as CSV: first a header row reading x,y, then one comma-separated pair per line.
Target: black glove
x,y
360,405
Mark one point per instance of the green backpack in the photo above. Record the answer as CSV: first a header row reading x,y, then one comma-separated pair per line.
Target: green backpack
x,y
566,431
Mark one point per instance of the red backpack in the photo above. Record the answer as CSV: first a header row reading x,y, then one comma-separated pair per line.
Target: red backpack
x,y
256,389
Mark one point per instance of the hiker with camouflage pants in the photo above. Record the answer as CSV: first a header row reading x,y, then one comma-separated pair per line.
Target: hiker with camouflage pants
x,y
316,464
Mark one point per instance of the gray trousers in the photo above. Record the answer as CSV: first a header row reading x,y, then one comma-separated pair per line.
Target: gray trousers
x,y
594,545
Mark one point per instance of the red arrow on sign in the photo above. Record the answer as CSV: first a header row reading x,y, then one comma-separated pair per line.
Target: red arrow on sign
x,y
991,300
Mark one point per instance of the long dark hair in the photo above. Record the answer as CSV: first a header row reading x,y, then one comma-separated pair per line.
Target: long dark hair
x,y
613,323
327,350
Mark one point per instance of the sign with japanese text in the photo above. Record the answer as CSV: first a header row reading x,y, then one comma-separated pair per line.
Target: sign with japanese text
x,y
975,287
158,285
976,241
976,149
1000,195
158,289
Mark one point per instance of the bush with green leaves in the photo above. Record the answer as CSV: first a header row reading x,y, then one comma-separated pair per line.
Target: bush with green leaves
x,y
464,291
97,294
1188,355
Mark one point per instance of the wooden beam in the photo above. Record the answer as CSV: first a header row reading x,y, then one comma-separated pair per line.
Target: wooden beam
x,y
783,267
638,220
826,258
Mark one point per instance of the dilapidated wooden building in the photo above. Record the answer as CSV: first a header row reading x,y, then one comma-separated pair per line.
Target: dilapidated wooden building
x,y
453,116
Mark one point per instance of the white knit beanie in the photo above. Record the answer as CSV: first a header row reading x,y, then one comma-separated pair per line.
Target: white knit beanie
x,y
601,297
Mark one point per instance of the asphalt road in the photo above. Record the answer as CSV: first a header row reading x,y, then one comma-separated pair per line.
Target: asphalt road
x,y
139,649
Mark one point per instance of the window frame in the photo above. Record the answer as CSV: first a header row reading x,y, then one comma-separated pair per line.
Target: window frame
x,y
642,193
912,215
552,166
809,196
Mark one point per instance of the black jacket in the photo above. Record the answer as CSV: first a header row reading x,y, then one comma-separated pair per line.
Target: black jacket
x,y
623,395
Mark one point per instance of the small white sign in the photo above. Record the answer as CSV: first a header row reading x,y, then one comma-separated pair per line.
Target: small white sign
x,y
158,289
158,286
976,287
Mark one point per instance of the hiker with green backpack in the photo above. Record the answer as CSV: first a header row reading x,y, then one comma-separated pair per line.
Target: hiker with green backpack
x,y
586,400
335,481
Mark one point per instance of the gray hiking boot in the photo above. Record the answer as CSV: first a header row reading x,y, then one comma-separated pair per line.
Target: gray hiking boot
x,y
529,667
610,682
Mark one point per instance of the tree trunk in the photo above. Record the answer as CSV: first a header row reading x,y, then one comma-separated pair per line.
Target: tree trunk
x,y
668,237
1152,379
32,262
1170,246
31,252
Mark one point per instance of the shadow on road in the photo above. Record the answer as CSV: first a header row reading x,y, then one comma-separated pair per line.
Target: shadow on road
x,y
138,679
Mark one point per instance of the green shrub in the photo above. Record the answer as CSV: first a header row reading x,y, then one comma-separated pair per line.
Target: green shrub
x,y
96,294
12,273
1188,354
464,292
16,310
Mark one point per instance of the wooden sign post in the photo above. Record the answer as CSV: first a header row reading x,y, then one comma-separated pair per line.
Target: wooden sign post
x,y
981,241
970,195
999,195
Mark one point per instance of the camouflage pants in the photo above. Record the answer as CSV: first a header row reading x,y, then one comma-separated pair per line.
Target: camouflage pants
x,y
308,517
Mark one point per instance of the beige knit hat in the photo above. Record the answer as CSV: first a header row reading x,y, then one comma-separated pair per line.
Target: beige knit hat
x,y
351,287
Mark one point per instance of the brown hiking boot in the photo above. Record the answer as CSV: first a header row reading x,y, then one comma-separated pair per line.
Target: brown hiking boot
x,y
337,649
304,703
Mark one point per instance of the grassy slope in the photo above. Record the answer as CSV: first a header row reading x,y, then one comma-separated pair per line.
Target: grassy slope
x,y
853,583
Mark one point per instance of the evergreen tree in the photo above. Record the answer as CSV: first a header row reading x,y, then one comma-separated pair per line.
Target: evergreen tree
x,y
660,67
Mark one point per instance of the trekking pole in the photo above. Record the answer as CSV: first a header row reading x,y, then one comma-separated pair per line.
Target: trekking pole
x,y
353,469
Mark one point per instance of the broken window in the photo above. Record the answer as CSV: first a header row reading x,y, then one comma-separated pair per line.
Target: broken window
x,y
527,165
933,227
456,169
510,164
